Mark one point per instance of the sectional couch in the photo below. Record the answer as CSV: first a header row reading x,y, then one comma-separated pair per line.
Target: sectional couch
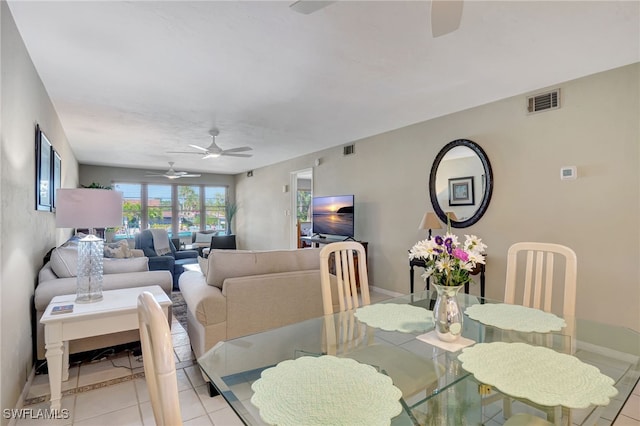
x,y
125,270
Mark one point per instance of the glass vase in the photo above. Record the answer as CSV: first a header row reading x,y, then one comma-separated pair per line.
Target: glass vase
x,y
447,313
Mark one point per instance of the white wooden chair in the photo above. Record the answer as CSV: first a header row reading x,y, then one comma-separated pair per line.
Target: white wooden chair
x,y
530,282
346,337
159,364
345,274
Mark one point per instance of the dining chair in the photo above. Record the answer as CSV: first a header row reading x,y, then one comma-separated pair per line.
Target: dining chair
x,y
158,361
340,255
532,273
347,337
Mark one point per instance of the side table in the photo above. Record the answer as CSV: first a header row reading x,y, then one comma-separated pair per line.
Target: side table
x,y
479,269
117,311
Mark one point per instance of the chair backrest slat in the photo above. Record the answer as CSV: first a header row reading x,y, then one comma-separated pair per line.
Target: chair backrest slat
x,y
342,254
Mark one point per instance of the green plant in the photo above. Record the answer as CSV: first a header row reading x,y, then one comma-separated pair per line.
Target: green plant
x,y
96,186
230,211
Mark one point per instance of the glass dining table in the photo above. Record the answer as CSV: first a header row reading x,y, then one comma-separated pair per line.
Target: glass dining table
x,y
449,393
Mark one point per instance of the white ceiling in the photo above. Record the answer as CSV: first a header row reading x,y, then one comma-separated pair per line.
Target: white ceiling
x,y
132,80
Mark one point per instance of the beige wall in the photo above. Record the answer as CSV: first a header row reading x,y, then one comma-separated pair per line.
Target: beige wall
x,y
597,129
27,234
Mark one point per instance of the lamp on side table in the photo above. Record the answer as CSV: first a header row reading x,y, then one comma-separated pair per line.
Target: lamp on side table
x,y
89,208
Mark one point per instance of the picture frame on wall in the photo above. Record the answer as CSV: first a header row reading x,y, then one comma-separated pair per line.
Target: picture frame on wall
x,y
48,172
461,191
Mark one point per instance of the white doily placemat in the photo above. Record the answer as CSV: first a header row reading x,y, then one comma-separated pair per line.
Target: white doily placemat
x,y
325,390
396,317
538,374
515,317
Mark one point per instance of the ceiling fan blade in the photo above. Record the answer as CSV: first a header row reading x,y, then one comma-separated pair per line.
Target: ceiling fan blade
x,y
198,147
155,175
189,175
241,149
231,154
309,6
445,16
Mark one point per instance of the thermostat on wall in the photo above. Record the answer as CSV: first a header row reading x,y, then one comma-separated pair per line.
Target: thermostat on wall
x,y
568,172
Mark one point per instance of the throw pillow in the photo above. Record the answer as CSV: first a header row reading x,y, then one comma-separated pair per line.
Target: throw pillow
x,y
64,261
204,265
119,250
203,238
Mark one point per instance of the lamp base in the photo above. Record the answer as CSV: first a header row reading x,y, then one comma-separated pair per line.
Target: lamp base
x,y
90,252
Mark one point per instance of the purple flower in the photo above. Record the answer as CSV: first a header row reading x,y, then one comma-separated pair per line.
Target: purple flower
x,y
438,240
461,254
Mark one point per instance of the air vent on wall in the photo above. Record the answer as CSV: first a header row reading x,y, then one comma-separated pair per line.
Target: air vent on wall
x,y
543,101
349,149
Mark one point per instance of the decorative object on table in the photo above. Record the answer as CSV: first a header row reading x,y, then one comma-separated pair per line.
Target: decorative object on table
x,y
396,317
515,317
539,374
325,390
430,221
448,264
89,208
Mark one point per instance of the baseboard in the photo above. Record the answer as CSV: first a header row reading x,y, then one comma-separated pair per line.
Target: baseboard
x,y
385,291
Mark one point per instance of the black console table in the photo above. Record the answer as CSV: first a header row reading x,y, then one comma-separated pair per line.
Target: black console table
x,y
479,269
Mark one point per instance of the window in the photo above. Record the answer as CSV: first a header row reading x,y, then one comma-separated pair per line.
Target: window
x,y
214,206
159,206
131,209
302,205
188,208
153,206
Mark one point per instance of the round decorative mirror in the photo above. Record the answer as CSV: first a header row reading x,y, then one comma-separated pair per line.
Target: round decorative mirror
x,y
461,183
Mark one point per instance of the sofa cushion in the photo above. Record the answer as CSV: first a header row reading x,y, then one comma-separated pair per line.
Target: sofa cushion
x,y
120,266
64,261
225,264
119,250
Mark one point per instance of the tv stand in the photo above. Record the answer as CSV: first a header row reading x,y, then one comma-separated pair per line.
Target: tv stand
x,y
349,239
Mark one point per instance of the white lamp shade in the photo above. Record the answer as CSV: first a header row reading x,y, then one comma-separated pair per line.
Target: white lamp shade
x,y
88,208
430,221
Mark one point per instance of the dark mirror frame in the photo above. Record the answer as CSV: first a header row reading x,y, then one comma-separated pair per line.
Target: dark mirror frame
x,y
488,190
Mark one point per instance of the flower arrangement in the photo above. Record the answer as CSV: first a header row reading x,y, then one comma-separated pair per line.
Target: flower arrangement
x,y
447,261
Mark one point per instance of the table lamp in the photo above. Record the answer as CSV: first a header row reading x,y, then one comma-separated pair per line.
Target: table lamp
x,y
89,208
430,221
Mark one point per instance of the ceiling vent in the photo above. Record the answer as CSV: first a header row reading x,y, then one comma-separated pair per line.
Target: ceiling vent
x,y
349,149
543,101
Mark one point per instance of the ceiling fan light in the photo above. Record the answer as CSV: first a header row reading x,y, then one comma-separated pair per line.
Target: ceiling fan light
x,y
212,155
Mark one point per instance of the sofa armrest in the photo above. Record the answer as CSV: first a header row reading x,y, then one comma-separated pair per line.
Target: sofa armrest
x,y
161,263
206,302
186,254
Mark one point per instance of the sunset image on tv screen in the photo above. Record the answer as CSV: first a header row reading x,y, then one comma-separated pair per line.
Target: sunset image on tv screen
x,y
333,215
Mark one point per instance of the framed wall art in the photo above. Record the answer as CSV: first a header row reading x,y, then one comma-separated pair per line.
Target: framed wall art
x,y
461,191
48,172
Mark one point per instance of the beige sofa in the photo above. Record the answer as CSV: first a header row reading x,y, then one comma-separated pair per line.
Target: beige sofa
x,y
58,277
243,292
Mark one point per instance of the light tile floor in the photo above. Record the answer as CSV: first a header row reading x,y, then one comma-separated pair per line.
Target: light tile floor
x,y
113,391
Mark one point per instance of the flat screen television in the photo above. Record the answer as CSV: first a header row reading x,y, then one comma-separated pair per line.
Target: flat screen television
x,y
333,215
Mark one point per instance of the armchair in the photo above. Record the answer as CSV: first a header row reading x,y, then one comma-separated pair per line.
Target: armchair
x,y
172,262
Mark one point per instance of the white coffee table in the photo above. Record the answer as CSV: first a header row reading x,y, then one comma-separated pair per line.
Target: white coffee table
x,y
117,311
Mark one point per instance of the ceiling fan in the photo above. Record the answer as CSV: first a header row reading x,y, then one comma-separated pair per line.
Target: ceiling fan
x,y
171,173
214,151
445,14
